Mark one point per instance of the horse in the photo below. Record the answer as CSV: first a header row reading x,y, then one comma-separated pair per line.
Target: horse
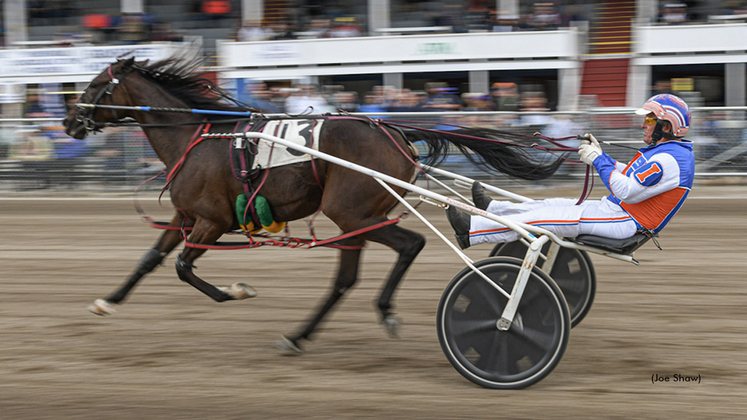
x,y
205,189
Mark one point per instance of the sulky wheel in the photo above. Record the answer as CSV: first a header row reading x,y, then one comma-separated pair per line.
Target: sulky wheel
x,y
518,357
573,272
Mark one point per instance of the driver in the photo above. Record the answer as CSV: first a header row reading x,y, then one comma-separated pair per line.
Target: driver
x,y
645,194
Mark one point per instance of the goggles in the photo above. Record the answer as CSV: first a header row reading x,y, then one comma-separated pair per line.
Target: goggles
x,y
650,121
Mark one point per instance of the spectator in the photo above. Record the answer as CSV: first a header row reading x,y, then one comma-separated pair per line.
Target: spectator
x,y
132,29
317,28
407,101
675,14
373,102
65,147
34,107
344,27
442,98
474,101
478,16
164,32
256,95
68,155
534,101
506,23
254,30
35,152
113,151
278,96
712,136
346,101
282,30
505,96
453,16
561,126
306,99
31,146
545,17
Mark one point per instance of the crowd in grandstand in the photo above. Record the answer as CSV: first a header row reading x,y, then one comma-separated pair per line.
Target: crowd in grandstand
x,y
435,96
314,21
43,146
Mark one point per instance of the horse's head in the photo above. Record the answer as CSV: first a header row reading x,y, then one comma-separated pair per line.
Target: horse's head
x,y
102,90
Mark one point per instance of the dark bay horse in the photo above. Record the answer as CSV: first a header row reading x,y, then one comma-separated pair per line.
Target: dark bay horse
x,y
206,189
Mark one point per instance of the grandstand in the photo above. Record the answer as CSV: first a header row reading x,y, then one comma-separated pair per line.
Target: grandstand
x,y
592,60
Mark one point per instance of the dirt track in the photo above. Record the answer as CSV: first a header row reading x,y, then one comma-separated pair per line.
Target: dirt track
x,y
170,352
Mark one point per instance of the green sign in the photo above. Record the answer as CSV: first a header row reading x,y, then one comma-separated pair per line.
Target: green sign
x,y
431,48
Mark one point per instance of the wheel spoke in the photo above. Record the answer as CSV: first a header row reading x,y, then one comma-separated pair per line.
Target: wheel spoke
x,y
503,353
540,340
496,357
490,296
464,328
529,297
571,285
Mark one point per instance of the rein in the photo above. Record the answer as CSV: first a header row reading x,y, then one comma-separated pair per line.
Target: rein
x,y
588,178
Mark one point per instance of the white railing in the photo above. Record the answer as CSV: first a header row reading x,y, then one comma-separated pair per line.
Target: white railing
x,y
690,44
382,54
74,64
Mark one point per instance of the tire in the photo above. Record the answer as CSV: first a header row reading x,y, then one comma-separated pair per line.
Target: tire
x,y
528,351
573,272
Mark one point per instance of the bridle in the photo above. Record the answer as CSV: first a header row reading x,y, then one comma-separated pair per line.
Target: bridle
x,y
85,114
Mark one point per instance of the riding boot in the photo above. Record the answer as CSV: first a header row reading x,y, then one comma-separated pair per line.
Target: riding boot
x,y
460,222
481,200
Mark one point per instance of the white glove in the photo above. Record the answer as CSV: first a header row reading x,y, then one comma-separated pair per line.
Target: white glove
x,y
589,149
589,138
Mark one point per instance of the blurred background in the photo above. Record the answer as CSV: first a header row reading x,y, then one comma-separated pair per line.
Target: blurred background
x,y
557,67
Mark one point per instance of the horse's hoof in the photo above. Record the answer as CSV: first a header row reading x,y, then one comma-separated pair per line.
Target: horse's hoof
x,y
242,291
289,347
101,307
391,325
239,291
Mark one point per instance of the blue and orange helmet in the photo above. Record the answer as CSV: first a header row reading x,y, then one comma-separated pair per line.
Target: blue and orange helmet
x,y
669,108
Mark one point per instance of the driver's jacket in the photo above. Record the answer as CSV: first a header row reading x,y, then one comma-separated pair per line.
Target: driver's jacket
x,y
654,185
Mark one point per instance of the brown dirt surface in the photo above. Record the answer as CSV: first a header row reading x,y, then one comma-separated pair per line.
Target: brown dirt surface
x,y
172,353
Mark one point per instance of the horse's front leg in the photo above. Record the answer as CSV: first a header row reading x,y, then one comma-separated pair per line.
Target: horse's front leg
x,y
347,275
168,240
207,232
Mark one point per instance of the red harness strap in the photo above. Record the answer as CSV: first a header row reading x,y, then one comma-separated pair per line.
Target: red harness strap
x,y
196,139
295,242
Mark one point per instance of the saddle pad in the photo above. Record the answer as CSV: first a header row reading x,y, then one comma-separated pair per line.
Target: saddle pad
x,y
301,132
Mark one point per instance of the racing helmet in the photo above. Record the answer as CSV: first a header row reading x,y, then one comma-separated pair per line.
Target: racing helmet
x,y
669,108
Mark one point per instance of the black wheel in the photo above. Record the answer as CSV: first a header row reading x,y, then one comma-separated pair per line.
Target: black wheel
x,y
573,272
528,351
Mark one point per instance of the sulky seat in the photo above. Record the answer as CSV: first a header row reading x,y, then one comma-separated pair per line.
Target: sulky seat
x,y
620,246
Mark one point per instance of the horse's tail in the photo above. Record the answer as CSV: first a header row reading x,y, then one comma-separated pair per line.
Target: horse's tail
x,y
489,149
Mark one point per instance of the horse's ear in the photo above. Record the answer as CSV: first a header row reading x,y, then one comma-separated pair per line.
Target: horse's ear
x,y
129,62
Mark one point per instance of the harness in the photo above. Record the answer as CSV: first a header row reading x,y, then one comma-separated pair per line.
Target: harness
x,y
243,154
85,114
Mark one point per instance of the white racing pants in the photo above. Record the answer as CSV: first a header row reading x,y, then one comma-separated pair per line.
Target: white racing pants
x,y
559,215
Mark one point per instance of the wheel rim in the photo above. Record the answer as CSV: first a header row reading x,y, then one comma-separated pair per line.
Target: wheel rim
x,y
514,358
572,272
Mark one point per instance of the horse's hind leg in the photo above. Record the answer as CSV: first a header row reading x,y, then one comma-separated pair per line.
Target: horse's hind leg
x,y
207,232
408,245
347,275
165,244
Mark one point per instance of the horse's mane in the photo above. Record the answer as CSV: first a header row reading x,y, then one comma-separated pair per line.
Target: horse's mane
x,y
180,77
